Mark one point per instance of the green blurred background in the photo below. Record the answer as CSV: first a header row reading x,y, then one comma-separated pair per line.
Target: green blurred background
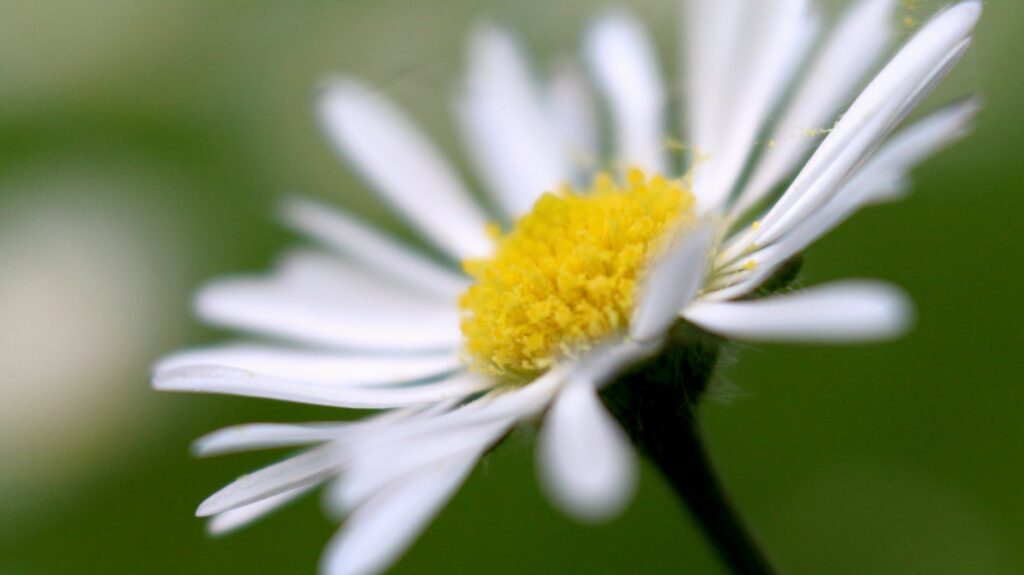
x,y
143,147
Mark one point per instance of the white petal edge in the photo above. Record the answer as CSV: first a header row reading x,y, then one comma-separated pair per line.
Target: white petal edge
x,y
709,31
517,403
852,49
378,466
379,531
769,40
371,248
586,463
315,366
625,67
908,77
882,178
253,436
307,469
504,124
393,155
673,280
317,300
239,517
879,179
603,363
224,380
572,110
848,311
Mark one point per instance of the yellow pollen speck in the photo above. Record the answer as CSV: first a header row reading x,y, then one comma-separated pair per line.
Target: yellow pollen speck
x,y
750,266
565,276
815,132
493,231
674,144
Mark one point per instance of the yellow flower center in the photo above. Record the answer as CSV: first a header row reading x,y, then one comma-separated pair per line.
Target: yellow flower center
x,y
565,277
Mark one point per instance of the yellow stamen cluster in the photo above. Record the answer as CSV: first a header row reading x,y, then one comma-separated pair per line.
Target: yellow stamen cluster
x,y
566,276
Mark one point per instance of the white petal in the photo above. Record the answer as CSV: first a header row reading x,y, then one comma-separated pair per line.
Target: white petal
x,y
572,110
378,466
625,67
602,364
673,280
323,273
878,180
318,300
586,462
505,126
390,152
224,380
911,75
849,311
769,40
857,43
516,403
254,436
743,283
882,177
234,519
306,469
371,248
317,366
377,533
710,31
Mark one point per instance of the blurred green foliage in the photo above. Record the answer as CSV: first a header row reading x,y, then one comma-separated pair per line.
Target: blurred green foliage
x,y
896,458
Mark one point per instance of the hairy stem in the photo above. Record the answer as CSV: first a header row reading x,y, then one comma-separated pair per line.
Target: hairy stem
x,y
657,405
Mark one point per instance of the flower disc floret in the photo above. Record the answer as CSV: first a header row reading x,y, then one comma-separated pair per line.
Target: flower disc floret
x,y
566,276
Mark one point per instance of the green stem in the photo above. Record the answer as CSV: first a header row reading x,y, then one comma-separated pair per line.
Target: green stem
x,y
656,403
688,469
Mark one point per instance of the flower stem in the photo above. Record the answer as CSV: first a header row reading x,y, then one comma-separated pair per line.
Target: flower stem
x,y
687,467
657,405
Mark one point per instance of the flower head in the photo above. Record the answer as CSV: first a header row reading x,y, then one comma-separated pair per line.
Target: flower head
x,y
603,257
566,277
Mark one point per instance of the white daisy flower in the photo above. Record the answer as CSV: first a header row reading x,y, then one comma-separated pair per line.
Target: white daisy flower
x,y
594,271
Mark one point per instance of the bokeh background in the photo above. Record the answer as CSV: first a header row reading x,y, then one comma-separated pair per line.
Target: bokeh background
x,y
144,145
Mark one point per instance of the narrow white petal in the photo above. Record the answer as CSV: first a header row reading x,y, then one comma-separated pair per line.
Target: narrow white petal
x,y
318,366
911,75
306,469
743,283
673,280
572,110
849,311
324,273
586,462
625,67
318,300
883,177
849,54
378,466
377,533
769,42
371,248
509,403
224,380
710,32
252,436
505,126
603,363
274,310
392,154
234,519
878,180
